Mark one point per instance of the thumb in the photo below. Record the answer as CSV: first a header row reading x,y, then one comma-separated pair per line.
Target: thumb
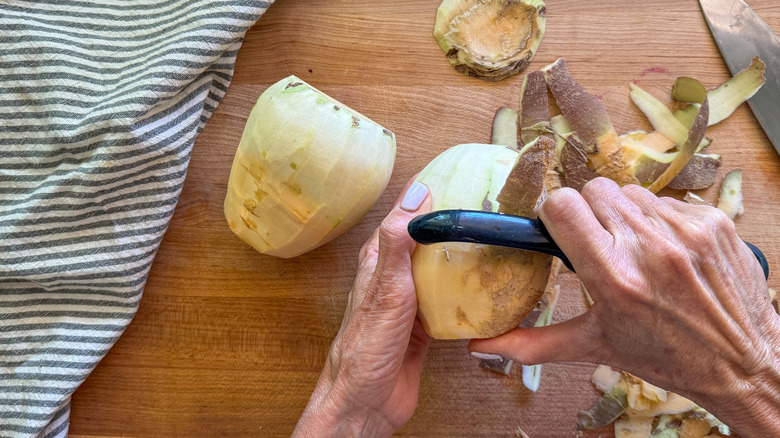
x,y
394,239
392,247
395,245
569,341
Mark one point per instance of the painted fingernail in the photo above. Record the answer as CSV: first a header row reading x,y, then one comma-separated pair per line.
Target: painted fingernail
x,y
414,197
486,356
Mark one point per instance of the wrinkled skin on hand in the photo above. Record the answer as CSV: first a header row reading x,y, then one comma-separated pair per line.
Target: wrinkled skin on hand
x,y
679,300
370,382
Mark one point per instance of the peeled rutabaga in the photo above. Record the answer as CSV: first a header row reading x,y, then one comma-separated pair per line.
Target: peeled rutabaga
x,y
307,169
466,290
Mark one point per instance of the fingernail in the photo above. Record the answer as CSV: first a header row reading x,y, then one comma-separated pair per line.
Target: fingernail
x,y
486,356
414,197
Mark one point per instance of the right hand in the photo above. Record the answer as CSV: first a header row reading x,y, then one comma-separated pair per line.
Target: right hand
x,y
679,300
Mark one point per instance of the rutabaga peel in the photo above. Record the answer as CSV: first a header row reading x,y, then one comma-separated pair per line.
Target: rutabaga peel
x,y
725,98
306,170
730,199
560,127
685,151
634,427
534,114
490,40
500,365
648,164
607,408
524,185
574,163
648,409
687,89
505,127
659,115
466,290
589,119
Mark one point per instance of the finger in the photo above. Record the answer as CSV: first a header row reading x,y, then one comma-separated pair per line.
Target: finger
x,y
656,210
714,233
392,279
414,195
686,213
417,349
613,209
394,238
571,223
574,340
687,207
647,201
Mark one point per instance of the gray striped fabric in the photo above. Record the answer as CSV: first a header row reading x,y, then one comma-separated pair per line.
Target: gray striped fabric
x,y
100,103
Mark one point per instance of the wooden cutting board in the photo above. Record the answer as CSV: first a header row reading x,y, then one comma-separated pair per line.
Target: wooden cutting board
x,y
229,342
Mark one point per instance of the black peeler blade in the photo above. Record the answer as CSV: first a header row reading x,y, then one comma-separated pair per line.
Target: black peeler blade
x,y
486,228
501,230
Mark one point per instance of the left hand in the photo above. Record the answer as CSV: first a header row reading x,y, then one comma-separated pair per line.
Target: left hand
x,y
370,382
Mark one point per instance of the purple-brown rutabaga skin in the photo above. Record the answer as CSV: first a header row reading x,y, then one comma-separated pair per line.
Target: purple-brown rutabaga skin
x,y
686,151
589,119
574,164
700,173
584,111
534,107
525,182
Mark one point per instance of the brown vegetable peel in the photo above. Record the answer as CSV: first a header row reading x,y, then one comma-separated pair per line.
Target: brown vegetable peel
x,y
574,163
589,119
608,408
685,151
534,114
525,183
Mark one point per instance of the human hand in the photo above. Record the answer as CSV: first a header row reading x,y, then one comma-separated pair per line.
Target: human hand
x,y
371,378
679,300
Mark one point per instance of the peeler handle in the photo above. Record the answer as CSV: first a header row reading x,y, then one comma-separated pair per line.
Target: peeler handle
x,y
501,230
485,228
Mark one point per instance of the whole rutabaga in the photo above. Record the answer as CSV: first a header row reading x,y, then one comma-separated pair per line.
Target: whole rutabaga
x,y
466,290
307,169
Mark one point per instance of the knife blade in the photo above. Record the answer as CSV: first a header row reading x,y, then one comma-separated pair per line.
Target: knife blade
x,y
741,34
501,230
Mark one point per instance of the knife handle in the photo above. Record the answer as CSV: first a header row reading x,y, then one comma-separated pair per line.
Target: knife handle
x,y
485,228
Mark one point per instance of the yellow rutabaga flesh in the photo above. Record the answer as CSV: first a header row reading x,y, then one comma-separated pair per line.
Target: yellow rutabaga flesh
x,y
306,170
465,290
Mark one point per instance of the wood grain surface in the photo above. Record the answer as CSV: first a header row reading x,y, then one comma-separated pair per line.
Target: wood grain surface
x,y
228,342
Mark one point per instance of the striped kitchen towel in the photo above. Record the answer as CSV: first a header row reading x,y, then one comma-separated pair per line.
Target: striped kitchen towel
x,y
100,103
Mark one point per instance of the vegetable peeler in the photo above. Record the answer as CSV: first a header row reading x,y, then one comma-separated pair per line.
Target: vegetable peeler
x,y
501,230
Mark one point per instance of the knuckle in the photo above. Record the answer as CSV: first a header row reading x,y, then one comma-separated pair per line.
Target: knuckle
x,y
673,255
699,232
598,186
673,258
702,233
721,221
558,205
632,190
391,231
